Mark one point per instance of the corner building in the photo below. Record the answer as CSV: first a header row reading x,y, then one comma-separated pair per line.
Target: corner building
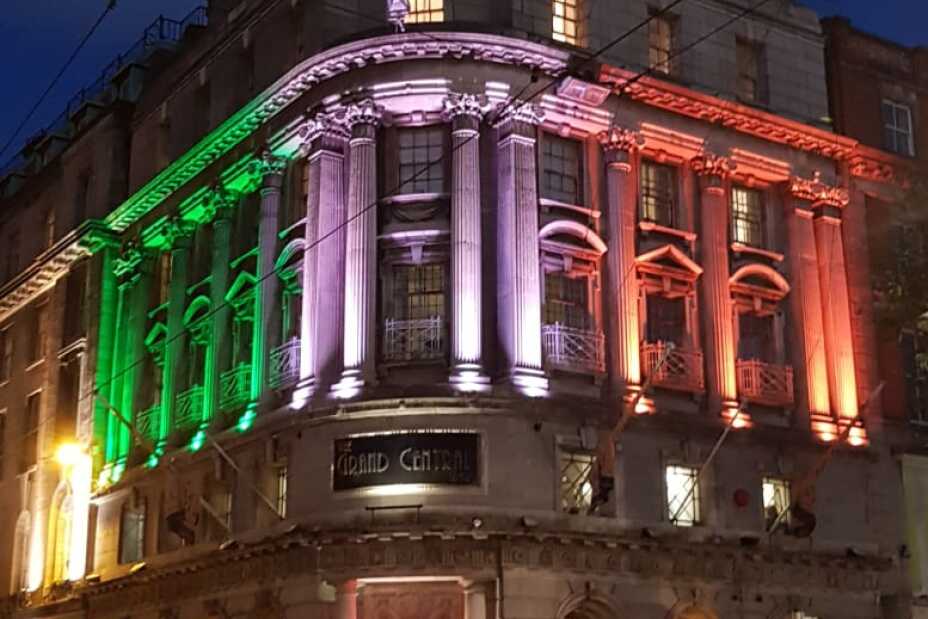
x,y
373,299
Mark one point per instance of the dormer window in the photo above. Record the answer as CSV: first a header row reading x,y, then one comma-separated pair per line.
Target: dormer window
x,y
421,151
658,202
747,217
561,177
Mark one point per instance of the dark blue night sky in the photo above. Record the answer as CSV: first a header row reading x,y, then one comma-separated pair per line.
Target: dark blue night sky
x,y
36,36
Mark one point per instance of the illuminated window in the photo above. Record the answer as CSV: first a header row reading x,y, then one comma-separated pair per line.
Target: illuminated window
x,y
776,501
132,533
749,57
747,217
658,193
61,538
282,491
662,31
897,128
576,489
565,20
420,291
425,11
560,169
567,301
421,158
682,495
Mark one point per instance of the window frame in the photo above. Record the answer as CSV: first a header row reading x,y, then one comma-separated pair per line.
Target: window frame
x,y
426,12
281,489
736,216
38,345
586,284
565,16
690,473
7,352
666,65
895,108
758,70
545,173
567,455
427,176
674,191
773,483
141,513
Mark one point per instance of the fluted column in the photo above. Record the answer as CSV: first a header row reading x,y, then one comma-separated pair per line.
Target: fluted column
x,y
466,112
220,205
177,238
346,600
518,260
321,337
807,304
269,168
621,212
720,337
361,251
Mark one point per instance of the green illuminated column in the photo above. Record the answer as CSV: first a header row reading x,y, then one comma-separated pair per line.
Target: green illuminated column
x,y
118,370
220,205
177,234
105,252
270,169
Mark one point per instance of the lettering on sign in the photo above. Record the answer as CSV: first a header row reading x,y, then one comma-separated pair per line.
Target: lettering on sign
x,y
439,458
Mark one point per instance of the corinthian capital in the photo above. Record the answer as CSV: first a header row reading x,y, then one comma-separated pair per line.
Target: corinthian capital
x,y
710,164
473,106
364,112
268,164
127,263
520,112
326,126
817,192
218,199
620,139
175,231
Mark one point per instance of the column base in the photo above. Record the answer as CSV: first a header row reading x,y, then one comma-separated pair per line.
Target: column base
x,y
469,378
530,381
302,393
351,384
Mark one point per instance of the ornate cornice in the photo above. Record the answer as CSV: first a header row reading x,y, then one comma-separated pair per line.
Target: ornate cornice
x,y
817,192
620,139
710,164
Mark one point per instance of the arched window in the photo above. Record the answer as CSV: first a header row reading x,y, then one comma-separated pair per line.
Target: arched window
x,y
20,563
132,531
60,533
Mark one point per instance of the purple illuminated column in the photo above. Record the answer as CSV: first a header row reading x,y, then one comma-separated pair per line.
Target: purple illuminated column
x,y
518,264
720,328
360,250
466,112
622,185
324,139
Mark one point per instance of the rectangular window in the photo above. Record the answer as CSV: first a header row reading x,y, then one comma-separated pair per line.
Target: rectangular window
x,y
282,491
747,217
565,19
73,327
11,266
50,228
666,319
749,58
662,31
6,354
682,495
30,432
658,194
755,337
576,491
561,179
776,502
425,11
37,333
567,301
421,158
419,291
132,534
897,128
82,196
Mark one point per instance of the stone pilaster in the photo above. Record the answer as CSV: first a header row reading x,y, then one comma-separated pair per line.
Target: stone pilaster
x,y
518,261
325,138
620,146
360,251
720,338
467,370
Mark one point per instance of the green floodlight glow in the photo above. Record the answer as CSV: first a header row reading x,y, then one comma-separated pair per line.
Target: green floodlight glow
x,y
247,420
198,440
118,469
152,461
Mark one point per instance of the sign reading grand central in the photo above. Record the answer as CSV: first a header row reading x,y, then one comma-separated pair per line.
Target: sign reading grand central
x,y
437,458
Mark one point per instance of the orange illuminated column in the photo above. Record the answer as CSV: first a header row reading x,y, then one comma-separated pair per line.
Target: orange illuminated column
x,y
836,313
621,178
720,338
807,304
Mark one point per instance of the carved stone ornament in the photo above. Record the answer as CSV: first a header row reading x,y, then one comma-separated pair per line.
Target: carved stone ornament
x,y
520,112
364,112
176,229
397,11
129,260
817,192
268,164
619,138
219,198
465,105
709,164
322,124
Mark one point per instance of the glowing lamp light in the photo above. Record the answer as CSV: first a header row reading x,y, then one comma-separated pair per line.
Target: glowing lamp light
x,y
198,440
247,420
69,454
642,407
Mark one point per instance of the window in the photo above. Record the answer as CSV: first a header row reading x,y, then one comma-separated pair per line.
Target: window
x,y
560,165
421,160
37,334
50,228
6,354
424,11
658,193
662,34
749,58
132,533
666,319
419,291
282,491
30,431
776,502
747,217
755,337
897,128
565,20
11,266
62,515
82,197
567,301
682,495
21,542
576,489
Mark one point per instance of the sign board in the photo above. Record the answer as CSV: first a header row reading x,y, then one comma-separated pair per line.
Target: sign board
x,y
435,458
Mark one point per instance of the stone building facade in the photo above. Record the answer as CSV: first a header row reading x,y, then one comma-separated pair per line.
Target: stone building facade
x,y
377,283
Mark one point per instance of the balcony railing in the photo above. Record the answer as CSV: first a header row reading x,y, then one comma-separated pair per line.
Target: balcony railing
x,y
765,383
189,410
146,422
574,349
235,387
285,364
413,340
681,370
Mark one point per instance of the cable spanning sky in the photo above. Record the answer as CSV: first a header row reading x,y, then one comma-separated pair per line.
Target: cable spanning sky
x,y
37,36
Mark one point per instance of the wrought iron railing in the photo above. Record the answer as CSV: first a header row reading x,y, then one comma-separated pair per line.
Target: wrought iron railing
x,y
285,364
189,410
680,370
413,340
235,387
765,383
146,422
574,349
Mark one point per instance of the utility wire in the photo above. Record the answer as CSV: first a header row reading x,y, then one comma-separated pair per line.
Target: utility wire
x,y
110,6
